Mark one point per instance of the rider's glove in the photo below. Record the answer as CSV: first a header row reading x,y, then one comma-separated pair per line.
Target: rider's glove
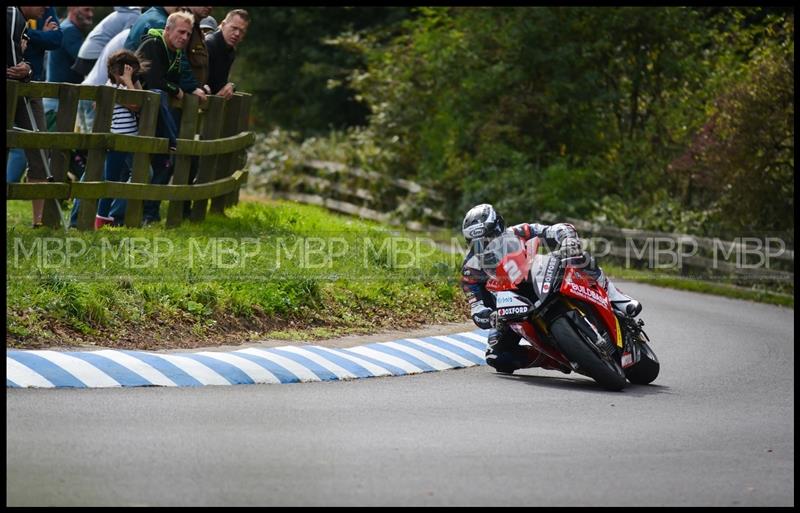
x,y
481,315
571,248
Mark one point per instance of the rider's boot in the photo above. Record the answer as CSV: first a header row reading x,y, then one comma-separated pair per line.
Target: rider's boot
x,y
622,303
505,354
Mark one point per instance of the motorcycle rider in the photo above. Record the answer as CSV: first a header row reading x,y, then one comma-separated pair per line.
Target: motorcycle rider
x,y
483,223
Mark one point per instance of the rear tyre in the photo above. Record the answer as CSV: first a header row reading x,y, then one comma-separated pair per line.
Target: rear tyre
x,y
646,369
606,372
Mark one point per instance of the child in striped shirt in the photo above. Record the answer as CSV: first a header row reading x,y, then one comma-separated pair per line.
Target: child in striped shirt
x,y
124,70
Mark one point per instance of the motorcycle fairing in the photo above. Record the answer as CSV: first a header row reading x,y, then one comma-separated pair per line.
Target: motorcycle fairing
x,y
577,285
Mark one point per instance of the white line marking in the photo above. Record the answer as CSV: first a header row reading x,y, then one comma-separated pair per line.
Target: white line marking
x,y
383,357
462,345
256,372
340,372
137,366
430,360
371,367
87,373
292,366
473,336
24,376
195,369
443,351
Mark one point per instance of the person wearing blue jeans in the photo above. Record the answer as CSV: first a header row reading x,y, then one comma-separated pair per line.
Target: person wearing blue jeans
x,y
160,170
150,213
123,71
117,169
17,162
164,49
160,164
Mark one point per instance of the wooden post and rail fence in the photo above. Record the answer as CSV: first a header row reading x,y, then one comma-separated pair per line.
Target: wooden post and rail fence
x,y
746,259
374,196
354,191
217,133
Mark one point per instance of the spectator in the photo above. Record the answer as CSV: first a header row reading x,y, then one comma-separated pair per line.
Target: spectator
x,y
156,18
197,52
91,49
163,51
25,117
198,59
99,74
222,51
89,53
123,70
208,25
59,63
42,34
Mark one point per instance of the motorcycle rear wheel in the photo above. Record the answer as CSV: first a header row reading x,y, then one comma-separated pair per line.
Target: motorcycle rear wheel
x,y
605,372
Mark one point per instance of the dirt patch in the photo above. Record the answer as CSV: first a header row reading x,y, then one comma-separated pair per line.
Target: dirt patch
x,y
352,340
227,332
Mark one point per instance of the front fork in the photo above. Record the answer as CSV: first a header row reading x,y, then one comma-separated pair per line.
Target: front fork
x,y
632,334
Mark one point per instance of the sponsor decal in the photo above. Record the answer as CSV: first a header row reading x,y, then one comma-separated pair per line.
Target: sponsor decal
x,y
551,267
627,360
587,293
514,310
545,288
475,231
505,300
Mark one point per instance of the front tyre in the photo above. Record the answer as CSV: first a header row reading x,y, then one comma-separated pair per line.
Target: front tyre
x,y
605,371
646,369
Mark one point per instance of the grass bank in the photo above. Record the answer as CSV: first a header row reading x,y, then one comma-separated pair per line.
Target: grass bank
x,y
718,288
264,270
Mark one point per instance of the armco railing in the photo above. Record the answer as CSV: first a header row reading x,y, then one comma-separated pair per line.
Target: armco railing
x,y
216,132
354,191
747,259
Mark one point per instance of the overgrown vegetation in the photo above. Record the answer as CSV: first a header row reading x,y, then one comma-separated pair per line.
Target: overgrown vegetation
x,y
665,118
296,271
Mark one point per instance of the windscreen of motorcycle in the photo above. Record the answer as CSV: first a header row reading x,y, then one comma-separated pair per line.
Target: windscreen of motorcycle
x,y
504,259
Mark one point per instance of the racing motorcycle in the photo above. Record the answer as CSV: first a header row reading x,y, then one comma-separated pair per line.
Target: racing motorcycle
x,y
564,313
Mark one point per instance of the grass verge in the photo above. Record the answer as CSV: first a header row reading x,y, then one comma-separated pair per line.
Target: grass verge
x,y
706,287
264,270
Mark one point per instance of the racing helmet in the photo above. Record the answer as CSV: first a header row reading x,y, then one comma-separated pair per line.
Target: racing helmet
x,y
482,224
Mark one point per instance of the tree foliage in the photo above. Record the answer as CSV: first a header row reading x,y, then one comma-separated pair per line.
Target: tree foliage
x,y
670,118
289,62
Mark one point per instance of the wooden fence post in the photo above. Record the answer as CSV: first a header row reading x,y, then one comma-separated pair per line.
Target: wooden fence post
x,y
59,160
141,161
211,129
97,156
227,164
11,102
244,125
183,163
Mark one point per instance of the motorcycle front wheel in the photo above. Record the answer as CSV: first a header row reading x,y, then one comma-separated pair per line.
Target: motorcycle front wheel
x,y
646,369
606,372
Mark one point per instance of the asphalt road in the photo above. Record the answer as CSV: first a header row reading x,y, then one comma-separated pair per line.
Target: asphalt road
x,y
715,429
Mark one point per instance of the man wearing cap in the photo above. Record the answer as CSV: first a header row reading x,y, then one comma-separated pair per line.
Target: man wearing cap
x,y
208,25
